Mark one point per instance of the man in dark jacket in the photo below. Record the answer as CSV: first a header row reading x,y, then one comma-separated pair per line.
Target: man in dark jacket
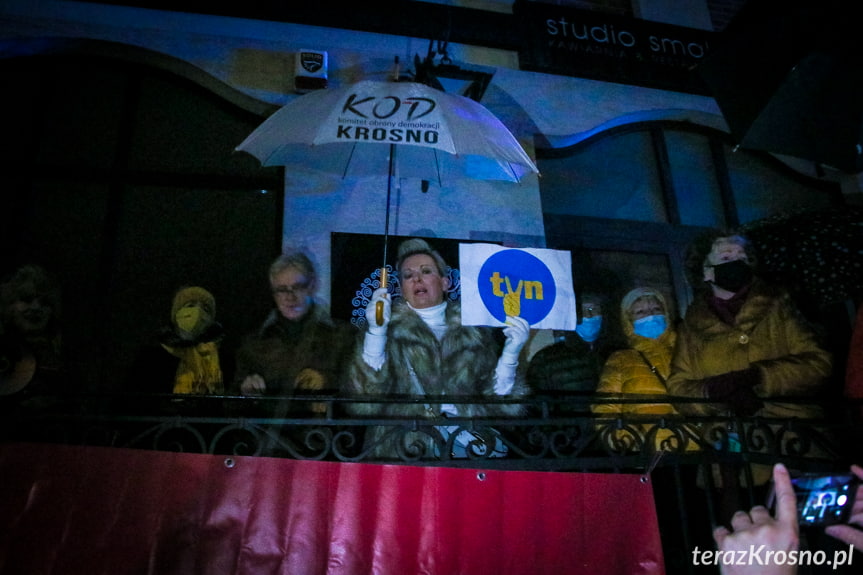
x,y
299,347
573,363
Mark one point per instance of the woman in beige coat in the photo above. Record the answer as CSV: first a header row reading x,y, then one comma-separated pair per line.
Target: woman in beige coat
x,y
744,347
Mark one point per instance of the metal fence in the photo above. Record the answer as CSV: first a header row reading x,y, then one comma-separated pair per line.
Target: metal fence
x,y
701,468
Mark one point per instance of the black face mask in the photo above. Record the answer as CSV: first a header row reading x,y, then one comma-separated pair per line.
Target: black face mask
x,y
732,276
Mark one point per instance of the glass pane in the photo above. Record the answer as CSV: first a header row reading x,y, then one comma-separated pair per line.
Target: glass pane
x,y
615,177
760,191
694,174
616,272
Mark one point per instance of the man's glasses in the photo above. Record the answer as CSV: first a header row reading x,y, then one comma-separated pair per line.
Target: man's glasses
x,y
283,291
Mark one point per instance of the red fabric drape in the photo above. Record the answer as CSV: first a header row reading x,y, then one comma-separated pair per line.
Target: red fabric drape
x,y
90,511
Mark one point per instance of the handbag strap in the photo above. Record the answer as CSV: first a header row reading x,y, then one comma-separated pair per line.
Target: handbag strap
x,y
420,390
652,367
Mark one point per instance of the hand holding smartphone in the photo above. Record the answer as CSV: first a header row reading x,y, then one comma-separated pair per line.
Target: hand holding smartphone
x,y
824,499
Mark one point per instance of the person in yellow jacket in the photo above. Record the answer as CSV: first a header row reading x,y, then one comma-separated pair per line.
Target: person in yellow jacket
x,y
639,373
745,349
194,337
743,344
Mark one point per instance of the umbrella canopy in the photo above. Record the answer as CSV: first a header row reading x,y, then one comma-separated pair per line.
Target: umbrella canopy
x,y
818,254
788,78
393,129
402,129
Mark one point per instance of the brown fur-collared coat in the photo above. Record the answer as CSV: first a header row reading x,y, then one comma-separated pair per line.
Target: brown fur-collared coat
x,y
461,364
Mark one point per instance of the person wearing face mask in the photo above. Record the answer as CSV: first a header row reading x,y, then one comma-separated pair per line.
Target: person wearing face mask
x,y
641,369
421,348
743,346
193,338
573,363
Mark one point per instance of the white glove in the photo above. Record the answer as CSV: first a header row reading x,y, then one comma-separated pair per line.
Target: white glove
x,y
379,295
253,385
375,341
517,332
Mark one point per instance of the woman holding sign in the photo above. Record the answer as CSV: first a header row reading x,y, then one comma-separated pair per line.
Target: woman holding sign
x,y
420,348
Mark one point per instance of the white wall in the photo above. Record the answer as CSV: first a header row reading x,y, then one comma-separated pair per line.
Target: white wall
x,y
256,57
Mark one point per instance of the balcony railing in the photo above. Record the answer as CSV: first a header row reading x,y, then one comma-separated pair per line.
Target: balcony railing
x,y
701,467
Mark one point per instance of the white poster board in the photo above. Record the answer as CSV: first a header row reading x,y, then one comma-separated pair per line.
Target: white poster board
x,y
533,283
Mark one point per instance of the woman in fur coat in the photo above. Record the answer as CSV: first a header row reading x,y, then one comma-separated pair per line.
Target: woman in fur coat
x,y
422,349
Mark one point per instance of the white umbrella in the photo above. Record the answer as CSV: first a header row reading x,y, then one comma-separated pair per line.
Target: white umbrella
x,y
393,130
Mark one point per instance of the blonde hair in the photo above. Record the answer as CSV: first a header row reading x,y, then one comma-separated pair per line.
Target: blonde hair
x,y
415,246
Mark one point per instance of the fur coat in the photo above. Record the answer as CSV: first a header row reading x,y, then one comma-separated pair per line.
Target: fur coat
x,y
462,363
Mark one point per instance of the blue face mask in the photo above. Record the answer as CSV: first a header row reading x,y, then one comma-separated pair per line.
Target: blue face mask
x,y
588,329
651,326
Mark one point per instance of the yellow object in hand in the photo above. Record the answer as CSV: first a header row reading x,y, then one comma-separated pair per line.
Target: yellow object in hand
x,y
512,304
379,307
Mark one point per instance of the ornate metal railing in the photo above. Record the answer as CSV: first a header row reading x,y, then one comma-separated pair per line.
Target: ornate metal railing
x,y
560,433
556,433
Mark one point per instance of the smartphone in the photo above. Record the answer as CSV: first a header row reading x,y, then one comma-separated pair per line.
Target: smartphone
x,y
824,499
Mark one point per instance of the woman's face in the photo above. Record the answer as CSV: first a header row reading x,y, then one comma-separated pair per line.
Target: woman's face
x,y
591,308
292,293
30,314
645,306
421,282
724,250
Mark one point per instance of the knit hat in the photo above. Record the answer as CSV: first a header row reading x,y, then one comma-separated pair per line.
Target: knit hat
x,y
194,293
633,295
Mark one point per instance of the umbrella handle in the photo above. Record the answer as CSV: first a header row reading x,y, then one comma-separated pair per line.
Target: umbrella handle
x,y
379,307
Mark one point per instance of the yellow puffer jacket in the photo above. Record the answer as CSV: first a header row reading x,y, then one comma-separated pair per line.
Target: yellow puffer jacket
x,y
629,373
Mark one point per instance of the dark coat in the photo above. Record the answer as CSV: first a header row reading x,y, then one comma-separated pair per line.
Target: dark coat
x,y
769,334
310,354
570,365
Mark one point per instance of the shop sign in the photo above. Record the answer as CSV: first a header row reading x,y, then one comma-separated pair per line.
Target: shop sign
x,y
589,44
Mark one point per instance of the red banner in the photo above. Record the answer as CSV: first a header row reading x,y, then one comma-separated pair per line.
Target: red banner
x,y
89,511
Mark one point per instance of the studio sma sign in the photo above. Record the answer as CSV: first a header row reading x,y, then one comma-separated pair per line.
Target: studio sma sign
x,y
587,44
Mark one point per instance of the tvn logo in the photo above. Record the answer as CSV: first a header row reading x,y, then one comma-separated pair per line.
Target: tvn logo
x,y
516,283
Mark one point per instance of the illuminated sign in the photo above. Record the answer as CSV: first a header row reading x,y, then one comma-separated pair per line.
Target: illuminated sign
x,y
589,44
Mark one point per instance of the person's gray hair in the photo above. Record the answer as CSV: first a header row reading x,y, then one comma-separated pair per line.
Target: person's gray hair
x,y
297,260
416,246
700,248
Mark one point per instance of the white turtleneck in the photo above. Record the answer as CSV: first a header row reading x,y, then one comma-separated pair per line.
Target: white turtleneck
x,y
434,317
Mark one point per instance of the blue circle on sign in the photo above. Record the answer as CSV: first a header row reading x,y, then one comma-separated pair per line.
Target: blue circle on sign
x,y
518,272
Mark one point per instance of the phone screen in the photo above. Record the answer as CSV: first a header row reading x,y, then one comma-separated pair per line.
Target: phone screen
x,y
824,499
